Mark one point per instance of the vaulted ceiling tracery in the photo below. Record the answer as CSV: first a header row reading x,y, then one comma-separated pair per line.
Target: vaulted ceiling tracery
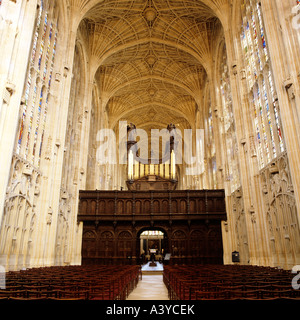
x,y
151,57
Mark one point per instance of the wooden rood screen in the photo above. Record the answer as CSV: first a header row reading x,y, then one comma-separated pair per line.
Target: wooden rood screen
x,y
189,219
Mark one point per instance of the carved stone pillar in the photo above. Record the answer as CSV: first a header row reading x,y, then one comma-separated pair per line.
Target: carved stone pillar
x,y
19,214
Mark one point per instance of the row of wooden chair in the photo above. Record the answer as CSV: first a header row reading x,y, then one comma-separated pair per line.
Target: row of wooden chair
x,y
218,282
74,282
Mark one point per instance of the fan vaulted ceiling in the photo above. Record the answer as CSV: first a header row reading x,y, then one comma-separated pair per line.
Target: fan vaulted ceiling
x,y
152,58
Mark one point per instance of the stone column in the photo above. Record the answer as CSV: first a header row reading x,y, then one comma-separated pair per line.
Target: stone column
x,y
75,229
52,162
241,123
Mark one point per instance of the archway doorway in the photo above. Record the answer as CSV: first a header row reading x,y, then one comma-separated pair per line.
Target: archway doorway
x,y
153,244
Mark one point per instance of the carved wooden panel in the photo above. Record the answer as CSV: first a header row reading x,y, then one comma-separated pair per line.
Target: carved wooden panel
x,y
190,220
151,202
199,243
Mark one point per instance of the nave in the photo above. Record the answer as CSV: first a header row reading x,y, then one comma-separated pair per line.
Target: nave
x,y
180,282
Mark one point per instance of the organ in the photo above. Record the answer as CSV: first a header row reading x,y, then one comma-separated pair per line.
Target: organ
x,y
151,174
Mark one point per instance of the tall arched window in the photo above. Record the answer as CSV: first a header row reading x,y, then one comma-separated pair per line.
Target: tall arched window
x,y
34,107
265,109
231,162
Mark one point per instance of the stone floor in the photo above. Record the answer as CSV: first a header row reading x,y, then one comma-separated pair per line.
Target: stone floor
x,y
151,287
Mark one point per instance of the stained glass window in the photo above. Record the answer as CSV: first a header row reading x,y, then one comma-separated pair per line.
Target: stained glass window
x,y
256,44
262,32
257,116
247,44
34,109
42,44
265,115
36,34
31,115
268,118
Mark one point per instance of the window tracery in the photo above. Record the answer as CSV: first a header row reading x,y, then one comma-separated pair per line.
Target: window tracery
x,y
23,191
265,114
34,107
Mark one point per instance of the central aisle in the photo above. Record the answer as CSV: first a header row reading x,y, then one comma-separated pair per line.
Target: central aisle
x,y
151,287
